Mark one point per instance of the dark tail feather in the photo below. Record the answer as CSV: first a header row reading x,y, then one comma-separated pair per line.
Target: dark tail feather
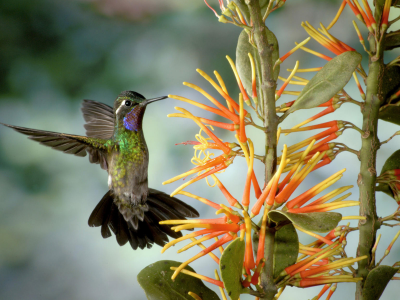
x,y
161,207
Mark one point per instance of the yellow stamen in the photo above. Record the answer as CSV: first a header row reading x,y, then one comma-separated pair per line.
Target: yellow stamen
x,y
239,82
215,86
187,272
290,81
194,243
278,134
354,218
223,86
220,288
311,51
220,248
213,256
341,8
306,70
195,296
293,93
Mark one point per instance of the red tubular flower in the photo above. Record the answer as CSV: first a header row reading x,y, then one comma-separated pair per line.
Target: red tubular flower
x,y
385,15
248,257
231,200
324,289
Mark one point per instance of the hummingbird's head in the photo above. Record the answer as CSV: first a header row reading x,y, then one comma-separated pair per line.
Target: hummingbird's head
x,y
129,108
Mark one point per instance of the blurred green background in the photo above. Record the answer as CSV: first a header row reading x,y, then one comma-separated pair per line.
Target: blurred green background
x,y
55,53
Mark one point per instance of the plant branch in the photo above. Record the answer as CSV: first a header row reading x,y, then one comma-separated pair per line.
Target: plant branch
x,y
370,145
268,109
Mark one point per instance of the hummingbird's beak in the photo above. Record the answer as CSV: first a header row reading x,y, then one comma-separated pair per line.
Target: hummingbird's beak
x,y
147,101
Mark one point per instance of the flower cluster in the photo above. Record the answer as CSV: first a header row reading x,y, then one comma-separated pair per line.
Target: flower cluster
x,y
321,262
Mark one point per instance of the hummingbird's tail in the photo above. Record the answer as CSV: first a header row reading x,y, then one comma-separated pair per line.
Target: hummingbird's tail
x,y
149,231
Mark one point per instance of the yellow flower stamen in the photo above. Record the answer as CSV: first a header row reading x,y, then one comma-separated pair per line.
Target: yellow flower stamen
x,y
223,86
278,134
195,296
253,80
220,288
212,255
293,93
226,111
306,70
287,81
354,218
219,90
341,8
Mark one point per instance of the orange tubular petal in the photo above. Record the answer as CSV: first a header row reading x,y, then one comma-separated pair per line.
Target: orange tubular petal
x,y
324,162
222,146
203,106
203,200
256,187
249,258
210,163
353,8
242,135
246,193
204,175
232,116
227,126
231,200
337,15
253,77
364,16
239,82
323,56
219,90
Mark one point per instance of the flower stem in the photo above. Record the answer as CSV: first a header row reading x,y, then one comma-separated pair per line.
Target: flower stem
x,y
268,87
370,145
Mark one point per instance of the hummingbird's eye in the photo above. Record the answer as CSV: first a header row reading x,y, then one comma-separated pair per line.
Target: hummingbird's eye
x,y
128,103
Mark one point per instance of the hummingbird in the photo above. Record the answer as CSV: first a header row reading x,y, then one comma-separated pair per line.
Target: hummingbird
x,y
115,140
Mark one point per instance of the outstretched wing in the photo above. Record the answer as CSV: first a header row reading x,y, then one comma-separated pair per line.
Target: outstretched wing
x,y
99,119
68,143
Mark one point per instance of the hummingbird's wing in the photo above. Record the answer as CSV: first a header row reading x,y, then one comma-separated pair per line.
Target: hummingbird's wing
x,y
68,143
99,119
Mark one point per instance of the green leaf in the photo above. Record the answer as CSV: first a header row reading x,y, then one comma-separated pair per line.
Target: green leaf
x,y
316,221
392,40
376,282
390,113
156,281
231,264
328,81
242,58
286,248
392,163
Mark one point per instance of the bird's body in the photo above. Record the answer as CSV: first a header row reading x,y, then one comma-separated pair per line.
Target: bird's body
x,y
115,140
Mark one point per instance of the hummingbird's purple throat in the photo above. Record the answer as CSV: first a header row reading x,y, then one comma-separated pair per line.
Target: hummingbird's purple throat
x,y
133,119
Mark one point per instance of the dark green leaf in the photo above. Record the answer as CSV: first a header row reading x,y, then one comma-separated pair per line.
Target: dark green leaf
x,y
390,113
242,58
156,281
286,248
376,282
392,163
231,264
392,40
328,81
316,221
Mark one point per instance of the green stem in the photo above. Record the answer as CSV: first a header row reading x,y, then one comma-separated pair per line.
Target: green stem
x,y
370,145
268,87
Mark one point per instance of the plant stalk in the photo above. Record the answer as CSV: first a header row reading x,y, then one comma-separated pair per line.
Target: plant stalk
x,y
268,87
367,176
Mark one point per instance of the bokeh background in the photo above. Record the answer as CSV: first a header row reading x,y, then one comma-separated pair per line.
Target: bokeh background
x,y
55,53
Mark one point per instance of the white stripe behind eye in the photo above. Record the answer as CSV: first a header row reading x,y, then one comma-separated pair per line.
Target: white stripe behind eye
x,y
122,104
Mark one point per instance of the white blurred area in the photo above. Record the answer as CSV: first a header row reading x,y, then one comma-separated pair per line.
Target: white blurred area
x,y
47,250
